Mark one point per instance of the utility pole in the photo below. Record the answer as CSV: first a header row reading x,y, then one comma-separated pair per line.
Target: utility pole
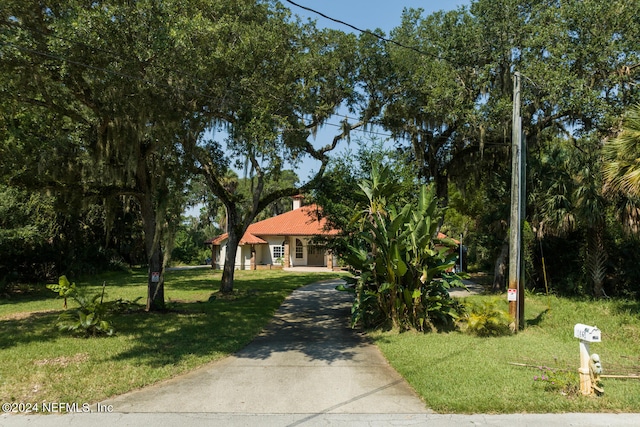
x,y
518,202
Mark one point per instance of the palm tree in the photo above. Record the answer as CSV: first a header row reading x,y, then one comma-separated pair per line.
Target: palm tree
x,y
570,198
621,155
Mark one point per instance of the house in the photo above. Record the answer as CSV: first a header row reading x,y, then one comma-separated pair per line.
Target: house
x,y
281,241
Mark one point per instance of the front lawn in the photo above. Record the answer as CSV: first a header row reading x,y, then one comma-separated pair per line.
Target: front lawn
x,y
39,363
458,373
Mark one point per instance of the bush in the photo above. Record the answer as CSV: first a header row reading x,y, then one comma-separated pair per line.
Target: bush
x,y
401,269
189,246
487,320
89,318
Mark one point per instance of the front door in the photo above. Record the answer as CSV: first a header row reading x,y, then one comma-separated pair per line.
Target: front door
x,y
315,255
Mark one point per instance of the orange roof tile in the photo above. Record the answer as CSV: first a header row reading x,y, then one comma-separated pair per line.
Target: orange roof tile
x,y
250,239
442,236
298,222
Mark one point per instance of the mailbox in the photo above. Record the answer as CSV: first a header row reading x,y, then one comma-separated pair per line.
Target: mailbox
x,y
587,333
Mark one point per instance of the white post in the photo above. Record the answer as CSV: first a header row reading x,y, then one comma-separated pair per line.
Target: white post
x,y
586,334
585,377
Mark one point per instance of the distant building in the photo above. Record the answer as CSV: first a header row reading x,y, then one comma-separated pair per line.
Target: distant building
x,y
282,241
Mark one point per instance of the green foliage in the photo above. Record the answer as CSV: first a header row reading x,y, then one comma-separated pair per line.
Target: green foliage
x,y
82,126
189,246
621,166
28,222
454,102
64,288
402,270
90,317
486,319
560,381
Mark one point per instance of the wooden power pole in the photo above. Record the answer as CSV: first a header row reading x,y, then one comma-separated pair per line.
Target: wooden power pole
x,y
518,203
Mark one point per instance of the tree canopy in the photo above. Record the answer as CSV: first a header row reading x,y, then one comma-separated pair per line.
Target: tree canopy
x,y
110,110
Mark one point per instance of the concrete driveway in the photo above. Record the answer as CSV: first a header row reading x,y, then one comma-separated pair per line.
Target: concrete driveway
x,y
306,361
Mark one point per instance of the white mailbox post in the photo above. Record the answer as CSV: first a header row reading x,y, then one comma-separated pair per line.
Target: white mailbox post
x,y
586,334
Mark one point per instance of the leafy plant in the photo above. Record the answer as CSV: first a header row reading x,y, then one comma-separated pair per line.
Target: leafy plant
x,y
485,319
64,288
401,270
89,317
565,382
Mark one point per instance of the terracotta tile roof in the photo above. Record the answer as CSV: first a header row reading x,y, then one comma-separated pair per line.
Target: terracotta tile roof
x,y
444,236
298,222
250,239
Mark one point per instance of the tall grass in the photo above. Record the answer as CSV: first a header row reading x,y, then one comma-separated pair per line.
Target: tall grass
x,y
460,373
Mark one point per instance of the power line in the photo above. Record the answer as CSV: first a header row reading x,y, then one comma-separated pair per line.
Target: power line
x,y
378,36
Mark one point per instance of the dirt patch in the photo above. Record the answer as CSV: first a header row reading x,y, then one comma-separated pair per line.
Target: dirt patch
x,y
27,314
63,360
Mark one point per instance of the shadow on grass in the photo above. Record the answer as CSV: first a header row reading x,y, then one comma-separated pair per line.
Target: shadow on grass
x,y
313,321
626,306
28,328
538,319
26,293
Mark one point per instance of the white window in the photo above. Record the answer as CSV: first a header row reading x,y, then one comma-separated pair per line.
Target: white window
x,y
278,252
299,249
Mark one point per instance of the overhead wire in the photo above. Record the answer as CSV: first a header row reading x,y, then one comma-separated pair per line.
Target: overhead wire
x,y
371,33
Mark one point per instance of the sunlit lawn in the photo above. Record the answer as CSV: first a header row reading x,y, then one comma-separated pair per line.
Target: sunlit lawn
x,y
458,373
38,363
453,372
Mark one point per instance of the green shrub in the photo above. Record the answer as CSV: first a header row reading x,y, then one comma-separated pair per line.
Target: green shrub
x,y
401,268
487,320
89,318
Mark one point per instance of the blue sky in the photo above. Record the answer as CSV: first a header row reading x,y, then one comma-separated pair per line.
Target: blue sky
x,y
368,14
364,14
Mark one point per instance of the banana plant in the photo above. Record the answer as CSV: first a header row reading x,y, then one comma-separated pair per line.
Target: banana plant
x,y
402,268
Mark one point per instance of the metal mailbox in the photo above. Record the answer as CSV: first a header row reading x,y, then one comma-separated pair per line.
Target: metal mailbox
x,y
587,333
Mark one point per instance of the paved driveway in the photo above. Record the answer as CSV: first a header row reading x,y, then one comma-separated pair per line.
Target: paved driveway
x,y
306,361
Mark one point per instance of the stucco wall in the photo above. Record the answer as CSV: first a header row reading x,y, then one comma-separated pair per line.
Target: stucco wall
x,y
264,253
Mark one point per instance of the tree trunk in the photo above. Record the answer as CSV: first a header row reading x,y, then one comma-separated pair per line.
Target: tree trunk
x,y
153,249
596,259
235,231
500,269
155,284
226,285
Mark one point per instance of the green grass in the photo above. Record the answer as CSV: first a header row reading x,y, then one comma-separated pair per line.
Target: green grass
x,y
38,363
459,373
453,372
